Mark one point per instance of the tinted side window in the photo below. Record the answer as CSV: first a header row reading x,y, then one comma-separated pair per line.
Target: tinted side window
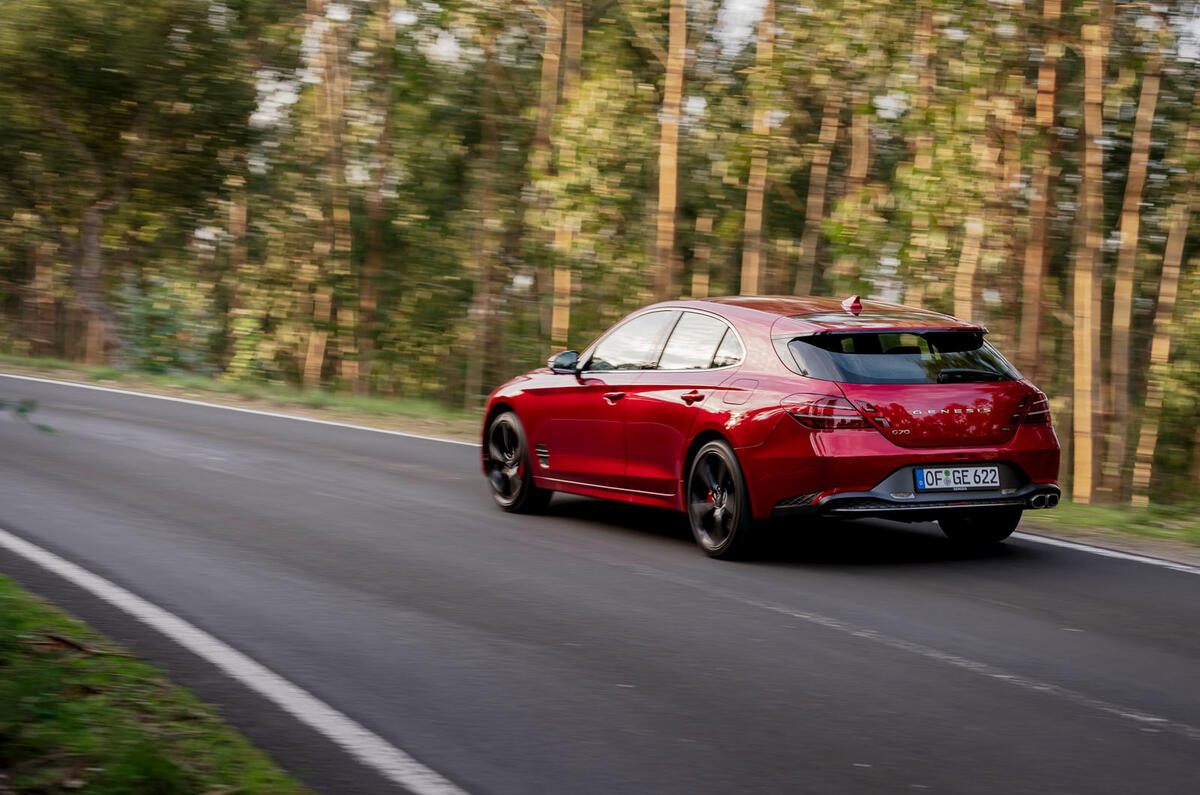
x,y
634,345
693,343
729,351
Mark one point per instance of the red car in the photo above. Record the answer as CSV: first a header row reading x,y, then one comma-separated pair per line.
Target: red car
x,y
737,410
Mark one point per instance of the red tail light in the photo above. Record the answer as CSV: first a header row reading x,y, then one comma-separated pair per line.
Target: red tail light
x,y
1039,409
824,412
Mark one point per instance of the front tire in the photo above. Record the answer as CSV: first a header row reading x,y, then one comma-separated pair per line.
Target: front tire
x,y
507,466
981,528
718,503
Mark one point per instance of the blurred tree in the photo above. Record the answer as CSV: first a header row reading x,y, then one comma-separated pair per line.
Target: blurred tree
x,y
1168,288
672,59
759,86
380,37
1029,355
107,104
1087,275
1123,290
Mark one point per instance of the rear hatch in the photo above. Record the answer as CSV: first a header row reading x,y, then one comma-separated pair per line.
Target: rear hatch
x,y
942,415
921,388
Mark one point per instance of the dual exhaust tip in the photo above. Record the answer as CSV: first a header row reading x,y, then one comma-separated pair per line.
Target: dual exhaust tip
x,y
1043,501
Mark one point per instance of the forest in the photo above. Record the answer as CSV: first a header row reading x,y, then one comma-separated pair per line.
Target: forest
x,y
422,199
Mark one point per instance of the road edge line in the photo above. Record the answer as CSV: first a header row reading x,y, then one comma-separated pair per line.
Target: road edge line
x,y
1105,552
259,412
364,745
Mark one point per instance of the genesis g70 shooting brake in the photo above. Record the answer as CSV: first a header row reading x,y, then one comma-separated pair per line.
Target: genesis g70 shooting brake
x,y
738,410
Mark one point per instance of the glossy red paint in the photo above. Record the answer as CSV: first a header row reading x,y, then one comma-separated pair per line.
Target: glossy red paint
x,y
627,434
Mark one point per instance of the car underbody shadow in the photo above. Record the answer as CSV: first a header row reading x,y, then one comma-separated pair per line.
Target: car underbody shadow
x,y
652,521
864,542
823,542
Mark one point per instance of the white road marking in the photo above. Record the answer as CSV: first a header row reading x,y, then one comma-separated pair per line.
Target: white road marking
x,y
1108,553
1143,720
1036,539
364,745
259,412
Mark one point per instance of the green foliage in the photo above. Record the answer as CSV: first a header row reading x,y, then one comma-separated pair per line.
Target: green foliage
x,y
106,97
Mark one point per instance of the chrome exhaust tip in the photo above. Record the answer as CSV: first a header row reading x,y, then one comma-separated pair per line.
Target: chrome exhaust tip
x,y
1051,500
1037,501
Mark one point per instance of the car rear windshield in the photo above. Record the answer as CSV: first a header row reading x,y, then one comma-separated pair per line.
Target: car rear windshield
x,y
901,357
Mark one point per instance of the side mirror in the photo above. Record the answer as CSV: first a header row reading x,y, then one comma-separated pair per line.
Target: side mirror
x,y
565,362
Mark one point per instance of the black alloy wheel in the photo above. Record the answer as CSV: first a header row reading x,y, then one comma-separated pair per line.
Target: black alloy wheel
x,y
718,505
506,462
982,527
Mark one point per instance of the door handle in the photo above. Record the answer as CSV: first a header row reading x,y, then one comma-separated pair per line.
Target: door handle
x,y
613,397
691,397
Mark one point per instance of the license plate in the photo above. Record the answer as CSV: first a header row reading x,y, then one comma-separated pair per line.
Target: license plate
x,y
957,478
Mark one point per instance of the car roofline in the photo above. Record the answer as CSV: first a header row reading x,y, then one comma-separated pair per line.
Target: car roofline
x,y
802,314
884,330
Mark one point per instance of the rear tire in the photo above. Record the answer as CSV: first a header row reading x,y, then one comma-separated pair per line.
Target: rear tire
x,y
981,528
507,466
718,503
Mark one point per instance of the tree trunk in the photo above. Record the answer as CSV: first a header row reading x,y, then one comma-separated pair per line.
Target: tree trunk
x,y
860,145
968,265
332,311
368,304
1160,352
973,227
923,50
1195,467
564,230
235,271
345,286
1087,261
42,324
752,246
99,330
701,254
814,214
573,52
318,335
552,44
665,276
1160,346
488,234
1039,203
1119,362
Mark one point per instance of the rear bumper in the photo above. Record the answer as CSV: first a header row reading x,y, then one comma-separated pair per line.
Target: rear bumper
x,y
799,471
883,502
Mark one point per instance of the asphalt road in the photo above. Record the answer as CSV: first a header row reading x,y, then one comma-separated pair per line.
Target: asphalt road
x,y
595,649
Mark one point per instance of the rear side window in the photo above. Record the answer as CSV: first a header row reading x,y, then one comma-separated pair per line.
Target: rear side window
x,y
634,345
693,343
729,352
901,357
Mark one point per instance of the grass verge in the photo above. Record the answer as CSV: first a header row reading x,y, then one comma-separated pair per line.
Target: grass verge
x,y
1177,524
78,714
402,414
